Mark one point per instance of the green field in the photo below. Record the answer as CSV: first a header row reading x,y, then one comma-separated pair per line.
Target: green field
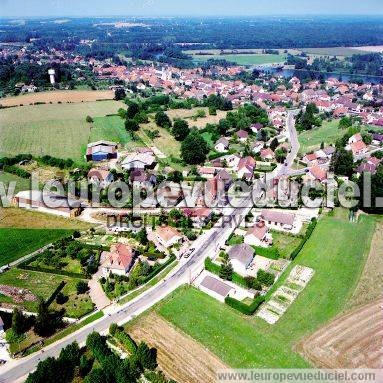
x,y
109,128
333,51
249,342
21,183
58,130
244,59
15,243
327,133
44,284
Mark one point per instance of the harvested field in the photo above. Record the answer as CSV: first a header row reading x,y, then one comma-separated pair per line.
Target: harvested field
x,y
353,340
200,122
180,357
58,96
370,286
28,219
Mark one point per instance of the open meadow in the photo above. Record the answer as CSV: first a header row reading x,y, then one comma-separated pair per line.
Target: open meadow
x,y
56,96
328,133
59,130
248,342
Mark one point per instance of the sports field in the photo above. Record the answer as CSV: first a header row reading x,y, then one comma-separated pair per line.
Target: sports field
x,y
56,96
58,130
248,342
15,243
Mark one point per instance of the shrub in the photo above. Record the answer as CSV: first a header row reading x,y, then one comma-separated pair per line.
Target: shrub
x,y
113,328
265,278
308,233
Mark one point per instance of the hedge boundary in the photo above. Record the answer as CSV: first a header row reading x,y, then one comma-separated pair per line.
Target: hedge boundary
x,y
244,308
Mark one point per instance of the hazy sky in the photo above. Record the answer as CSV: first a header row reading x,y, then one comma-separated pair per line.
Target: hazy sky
x,y
24,8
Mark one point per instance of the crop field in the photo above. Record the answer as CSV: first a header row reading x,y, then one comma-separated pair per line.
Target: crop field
x,y
56,96
328,133
58,130
180,357
332,51
248,342
353,340
44,284
13,217
15,243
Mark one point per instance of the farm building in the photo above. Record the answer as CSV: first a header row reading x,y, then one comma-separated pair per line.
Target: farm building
x,y
48,203
101,151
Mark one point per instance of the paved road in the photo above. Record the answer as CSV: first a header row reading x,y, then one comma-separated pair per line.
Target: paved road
x,y
204,246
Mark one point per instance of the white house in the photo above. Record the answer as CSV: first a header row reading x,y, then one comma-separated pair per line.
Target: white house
x,y
258,235
216,288
241,257
222,145
119,260
167,236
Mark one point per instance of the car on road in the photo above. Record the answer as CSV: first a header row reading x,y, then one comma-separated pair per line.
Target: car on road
x,y
189,252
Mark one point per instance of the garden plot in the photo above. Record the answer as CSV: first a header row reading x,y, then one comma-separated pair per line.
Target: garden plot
x,y
282,298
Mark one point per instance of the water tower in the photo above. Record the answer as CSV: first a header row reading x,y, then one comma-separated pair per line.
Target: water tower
x,y
52,73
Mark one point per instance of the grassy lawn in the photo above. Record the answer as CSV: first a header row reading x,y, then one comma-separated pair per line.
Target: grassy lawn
x,y
285,243
109,128
200,122
44,284
68,264
327,133
249,341
15,243
208,138
58,130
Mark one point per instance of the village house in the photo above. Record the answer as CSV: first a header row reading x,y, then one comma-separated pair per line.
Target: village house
x,y
138,161
246,168
241,257
167,236
101,151
278,220
318,174
242,135
119,260
101,177
200,216
258,235
222,145
267,154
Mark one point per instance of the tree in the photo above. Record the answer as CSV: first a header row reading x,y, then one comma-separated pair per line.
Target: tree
x,y
280,155
274,143
226,270
81,287
180,129
194,148
162,120
345,122
223,126
146,356
265,278
18,321
142,237
113,329
131,125
133,110
119,94
89,119
212,110
44,323
342,162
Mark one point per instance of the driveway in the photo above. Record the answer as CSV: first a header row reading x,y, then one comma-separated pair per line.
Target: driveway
x,y
96,292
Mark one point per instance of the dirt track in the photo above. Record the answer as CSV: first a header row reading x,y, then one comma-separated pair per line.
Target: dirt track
x,y
353,340
180,357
